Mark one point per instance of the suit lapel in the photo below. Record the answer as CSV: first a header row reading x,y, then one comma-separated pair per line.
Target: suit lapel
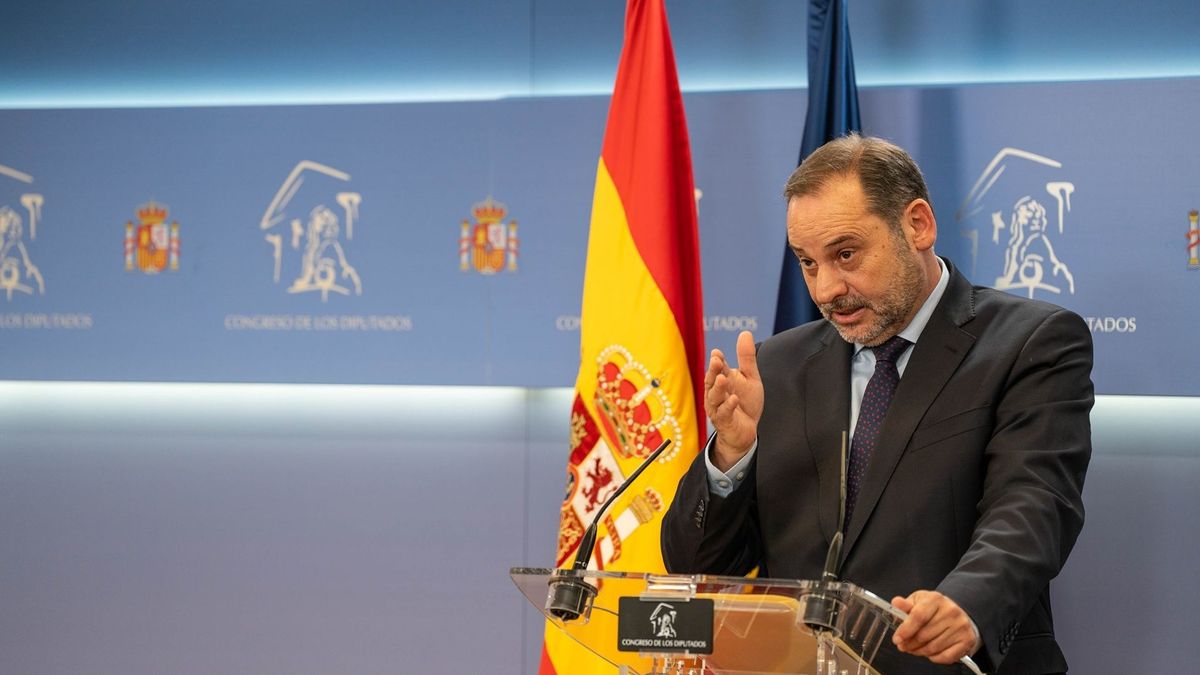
x,y
827,411
936,356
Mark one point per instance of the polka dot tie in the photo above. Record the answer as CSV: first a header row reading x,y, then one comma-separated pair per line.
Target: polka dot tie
x,y
875,402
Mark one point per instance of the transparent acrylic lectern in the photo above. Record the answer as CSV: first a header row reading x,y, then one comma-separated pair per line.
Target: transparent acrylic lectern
x,y
639,624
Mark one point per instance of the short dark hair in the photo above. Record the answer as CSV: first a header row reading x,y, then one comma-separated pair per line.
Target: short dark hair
x,y
890,179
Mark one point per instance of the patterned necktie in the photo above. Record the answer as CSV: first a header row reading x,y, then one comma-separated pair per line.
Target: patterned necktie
x,y
875,402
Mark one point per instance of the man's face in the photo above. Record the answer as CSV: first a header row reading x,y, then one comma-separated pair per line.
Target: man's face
x,y
864,277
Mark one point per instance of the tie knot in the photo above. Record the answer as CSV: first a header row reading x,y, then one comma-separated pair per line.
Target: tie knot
x,y
888,351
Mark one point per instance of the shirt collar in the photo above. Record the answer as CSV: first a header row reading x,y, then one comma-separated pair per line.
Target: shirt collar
x,y
915,327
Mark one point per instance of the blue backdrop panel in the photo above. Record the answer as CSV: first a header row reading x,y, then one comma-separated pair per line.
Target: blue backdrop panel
x,y
1077,194
323,243
395,308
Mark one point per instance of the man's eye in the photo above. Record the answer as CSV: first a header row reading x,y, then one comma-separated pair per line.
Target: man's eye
x,y
806,262
845,255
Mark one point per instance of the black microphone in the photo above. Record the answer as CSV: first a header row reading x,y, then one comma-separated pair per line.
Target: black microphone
x,y
833,558
821,611
571,596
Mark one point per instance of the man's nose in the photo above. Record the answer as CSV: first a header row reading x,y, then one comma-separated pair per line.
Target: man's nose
x,y
826,286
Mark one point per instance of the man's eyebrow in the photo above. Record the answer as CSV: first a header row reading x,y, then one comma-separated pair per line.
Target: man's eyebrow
x,y
845,238
839,241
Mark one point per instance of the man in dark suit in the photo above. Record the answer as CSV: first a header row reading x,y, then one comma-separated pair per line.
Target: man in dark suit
x,y
968,413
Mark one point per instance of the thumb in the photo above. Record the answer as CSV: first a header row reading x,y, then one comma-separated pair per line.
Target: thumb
x,y
902,604
747,359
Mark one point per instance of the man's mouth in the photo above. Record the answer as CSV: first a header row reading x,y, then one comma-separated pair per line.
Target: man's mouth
x,y
847,316
844,311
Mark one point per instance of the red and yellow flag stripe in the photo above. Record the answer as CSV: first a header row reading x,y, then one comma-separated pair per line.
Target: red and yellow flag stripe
x,y
642,339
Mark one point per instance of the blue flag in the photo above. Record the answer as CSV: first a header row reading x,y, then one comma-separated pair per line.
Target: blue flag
x,y
832,112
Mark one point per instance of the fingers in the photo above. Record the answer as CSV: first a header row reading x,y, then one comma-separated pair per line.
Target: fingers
x,y
936,627
722,403
716,366
716,397
733,400
952,654
920,612
725,411
747,359
947,647
716,384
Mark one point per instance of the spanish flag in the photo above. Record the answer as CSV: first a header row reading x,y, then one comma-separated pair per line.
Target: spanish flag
x,y
642,338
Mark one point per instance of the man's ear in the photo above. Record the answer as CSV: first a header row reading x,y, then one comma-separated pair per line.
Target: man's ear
x,y
921,224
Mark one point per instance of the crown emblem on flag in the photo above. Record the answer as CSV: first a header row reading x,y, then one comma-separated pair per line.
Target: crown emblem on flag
x,y
634,410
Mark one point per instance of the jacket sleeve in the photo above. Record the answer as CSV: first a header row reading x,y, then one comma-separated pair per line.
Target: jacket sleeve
x,y
1031,510
706,534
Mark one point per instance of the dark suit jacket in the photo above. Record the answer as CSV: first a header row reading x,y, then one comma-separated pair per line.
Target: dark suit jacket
x,y
974,489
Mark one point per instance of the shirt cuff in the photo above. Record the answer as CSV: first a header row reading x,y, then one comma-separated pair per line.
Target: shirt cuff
x,y
723,484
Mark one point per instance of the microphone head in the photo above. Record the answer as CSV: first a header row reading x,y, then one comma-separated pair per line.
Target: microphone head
x,y
822,612
570,598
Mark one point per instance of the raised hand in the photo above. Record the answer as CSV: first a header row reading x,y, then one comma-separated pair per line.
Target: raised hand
x,y
733,400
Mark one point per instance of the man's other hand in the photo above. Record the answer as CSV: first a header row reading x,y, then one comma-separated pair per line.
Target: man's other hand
x,y
936,628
